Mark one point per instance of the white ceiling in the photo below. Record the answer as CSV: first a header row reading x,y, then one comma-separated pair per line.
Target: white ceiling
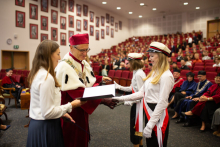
x,y
164,7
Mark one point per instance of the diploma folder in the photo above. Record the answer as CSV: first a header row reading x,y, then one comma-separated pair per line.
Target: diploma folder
x,y
98,92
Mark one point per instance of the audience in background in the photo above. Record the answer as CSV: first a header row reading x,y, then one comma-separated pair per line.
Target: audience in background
x,y
205,55
183,65
197,60
217,62
105,69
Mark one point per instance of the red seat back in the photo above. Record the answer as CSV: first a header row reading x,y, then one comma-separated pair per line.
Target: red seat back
x,y
130,75
210,69
111,73
183,73
118,74
198,68
211,75
3,70
19,72
199,64
125,74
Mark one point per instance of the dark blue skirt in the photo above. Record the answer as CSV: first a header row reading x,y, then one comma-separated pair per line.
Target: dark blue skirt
x,y
45,133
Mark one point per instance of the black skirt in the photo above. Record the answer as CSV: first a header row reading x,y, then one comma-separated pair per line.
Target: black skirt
x,y
134,139
45,133
152,142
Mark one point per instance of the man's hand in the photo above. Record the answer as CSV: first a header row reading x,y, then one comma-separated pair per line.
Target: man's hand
x,y
111,103
203,99
183,92
106,79
195,99
188,97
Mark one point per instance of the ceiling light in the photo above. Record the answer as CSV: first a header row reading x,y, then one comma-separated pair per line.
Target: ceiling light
x,y
104,3
197,7
118,8
140,16
141,4
186,3
154,9
130,12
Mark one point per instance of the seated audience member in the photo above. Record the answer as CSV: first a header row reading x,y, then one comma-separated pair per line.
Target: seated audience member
x,y
188,61
106,56
102,51
214,54
187,103
150,66
144,56
4,127
117,63
207,105
121,67
183,65
217,62
105,68
205,55
178,82
174,66
170,61
197,60
9,82
216,123
180,56
203,49
188,87
191,56
172,54
100,63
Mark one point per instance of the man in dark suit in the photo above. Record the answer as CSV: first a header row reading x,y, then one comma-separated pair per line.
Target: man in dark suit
x,y
183,65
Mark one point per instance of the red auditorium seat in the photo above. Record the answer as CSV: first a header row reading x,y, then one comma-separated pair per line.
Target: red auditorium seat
x,y
196,80
183,73
211,75
19,72
210,69
198,68
218,70
196,73
15,71
2,75
3,70
117,76
111,74
129,79
25,73
209,64
209,61
17,77
96,70
212,81
199,64
124,77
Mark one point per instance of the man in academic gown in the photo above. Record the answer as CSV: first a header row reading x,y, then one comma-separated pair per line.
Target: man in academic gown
x,y
75,74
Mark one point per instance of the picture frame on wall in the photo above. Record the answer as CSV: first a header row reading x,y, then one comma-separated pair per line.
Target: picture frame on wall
x,y
116,27
44,23
107,30
102,21
102,33
33,31
91,16
78,25
71,5
97,22
54,16
85,10
120,25
107,18
33,11
112,33
78,10
71,33
20,3
91,30
43,37
85,25
44,5
62,38
97,35
112,21
54,3
71,21
62,22
54,32
63,6
20,19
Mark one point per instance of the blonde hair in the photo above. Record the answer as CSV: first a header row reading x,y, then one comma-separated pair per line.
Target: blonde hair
x,y
161,67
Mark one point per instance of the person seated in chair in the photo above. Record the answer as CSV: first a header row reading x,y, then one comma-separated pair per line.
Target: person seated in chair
x,y
121,67
183,65
205,55
9,82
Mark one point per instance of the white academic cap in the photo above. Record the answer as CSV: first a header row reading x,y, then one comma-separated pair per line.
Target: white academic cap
x,y
134,56
158,47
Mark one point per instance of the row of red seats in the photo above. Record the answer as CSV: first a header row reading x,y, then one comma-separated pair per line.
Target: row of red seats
x,y
122,77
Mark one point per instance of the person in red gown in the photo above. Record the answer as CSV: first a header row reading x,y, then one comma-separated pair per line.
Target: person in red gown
x,y
208,103
178,81
75,74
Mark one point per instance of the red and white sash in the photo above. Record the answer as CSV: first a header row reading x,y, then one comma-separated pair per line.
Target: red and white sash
x,y
159,128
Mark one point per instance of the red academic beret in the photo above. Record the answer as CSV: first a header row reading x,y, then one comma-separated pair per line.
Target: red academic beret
x,y
79,39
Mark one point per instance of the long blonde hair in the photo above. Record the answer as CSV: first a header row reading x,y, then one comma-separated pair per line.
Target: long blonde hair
x,y
161,67
43,59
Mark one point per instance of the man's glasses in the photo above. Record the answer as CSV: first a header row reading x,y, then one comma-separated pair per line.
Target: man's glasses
x,y
82,50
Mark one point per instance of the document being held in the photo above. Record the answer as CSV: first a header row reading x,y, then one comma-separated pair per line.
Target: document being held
x,y
99,92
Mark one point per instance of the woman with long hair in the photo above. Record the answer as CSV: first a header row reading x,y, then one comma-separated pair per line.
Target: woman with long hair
x,y
45,109
137,82
155,93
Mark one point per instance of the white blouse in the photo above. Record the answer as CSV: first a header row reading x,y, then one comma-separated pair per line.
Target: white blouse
x,y
46,98
156,94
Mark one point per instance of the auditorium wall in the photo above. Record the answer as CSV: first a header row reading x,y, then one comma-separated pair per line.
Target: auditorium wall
x,y
182,22
9,30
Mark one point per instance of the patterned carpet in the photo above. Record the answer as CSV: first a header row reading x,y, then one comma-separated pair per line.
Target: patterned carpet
x,y
109,128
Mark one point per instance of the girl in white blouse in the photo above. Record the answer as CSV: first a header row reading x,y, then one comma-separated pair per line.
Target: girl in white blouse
x,y
156,89
45,109
137,82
